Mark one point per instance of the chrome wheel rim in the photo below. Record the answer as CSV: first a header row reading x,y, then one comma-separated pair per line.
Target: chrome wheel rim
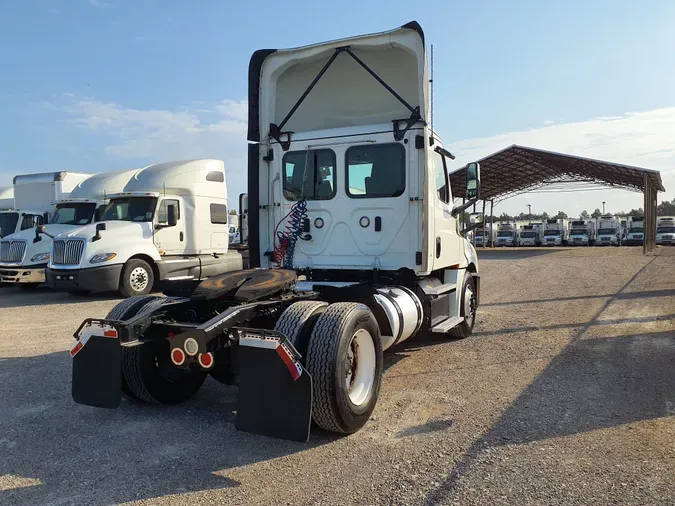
x,y
361,363
138,279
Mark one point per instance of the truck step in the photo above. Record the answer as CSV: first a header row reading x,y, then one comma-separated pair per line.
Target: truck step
x,y
448,324
438,290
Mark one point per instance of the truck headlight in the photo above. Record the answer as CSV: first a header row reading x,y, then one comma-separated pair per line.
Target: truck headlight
x,y
40,257
102,257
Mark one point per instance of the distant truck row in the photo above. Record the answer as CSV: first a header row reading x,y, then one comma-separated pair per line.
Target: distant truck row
x,y
607,230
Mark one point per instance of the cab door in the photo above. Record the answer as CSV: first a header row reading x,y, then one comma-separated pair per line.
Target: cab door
x,y
170,240
445,240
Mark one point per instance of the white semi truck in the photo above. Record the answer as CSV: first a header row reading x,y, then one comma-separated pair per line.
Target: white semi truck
x,y
582,232
485,240
169,223
555,232
31,248
665,231
609,231
635,236
345,271
531,235
34,198
507,234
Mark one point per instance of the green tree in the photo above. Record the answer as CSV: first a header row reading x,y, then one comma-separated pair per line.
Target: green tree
x,y
636,212
584,215
561,215
597,213
505,217
232,211
666,208
544,216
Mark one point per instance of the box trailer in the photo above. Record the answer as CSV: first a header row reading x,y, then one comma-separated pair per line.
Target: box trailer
x,y
507,234
665,230
555,232
635,236
582,232
344,271
531,235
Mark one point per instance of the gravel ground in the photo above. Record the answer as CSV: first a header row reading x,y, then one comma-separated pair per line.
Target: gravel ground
x,y
564,395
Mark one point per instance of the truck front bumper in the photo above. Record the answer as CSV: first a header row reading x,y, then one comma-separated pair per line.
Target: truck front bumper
x,y
95,279
21,274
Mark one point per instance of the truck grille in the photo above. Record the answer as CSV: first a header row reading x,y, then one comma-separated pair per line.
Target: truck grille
x,y
12,251
67,252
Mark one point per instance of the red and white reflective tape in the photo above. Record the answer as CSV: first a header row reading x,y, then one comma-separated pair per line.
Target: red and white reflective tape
x,y
94,329
274,343
292,364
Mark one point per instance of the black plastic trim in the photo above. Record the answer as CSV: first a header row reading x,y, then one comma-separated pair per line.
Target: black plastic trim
x,y
414,25
253,205
254,70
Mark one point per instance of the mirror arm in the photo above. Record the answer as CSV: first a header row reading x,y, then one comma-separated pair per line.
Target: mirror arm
x,y
456,210
468,229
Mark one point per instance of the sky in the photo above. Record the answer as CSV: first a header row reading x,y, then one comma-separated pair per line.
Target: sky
x,y
95,85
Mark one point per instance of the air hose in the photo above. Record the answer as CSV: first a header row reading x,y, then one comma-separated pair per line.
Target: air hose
x,y
285,240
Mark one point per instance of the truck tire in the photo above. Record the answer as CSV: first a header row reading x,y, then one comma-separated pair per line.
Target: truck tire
x,y
150,374
344,357
297,322
137,278
125,310
468,307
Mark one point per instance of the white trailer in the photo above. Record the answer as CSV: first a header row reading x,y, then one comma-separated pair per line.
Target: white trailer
x,y
507,234
609,231
170,223
25,254
635,236
381,256
6,198
582,232
555,232
531,235
665,230
34,198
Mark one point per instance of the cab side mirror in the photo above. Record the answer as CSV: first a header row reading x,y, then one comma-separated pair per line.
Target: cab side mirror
x,y
172,216
473,181
99,228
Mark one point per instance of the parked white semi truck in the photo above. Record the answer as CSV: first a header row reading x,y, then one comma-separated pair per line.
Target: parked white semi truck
x,y
351,192
665,231
635,236
609,231
169,223
582,232
34,198
507,234
6,198
485,240
31,249
555,232
531,235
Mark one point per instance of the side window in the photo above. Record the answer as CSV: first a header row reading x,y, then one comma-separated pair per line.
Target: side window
x,y
27,221
375,170
163,214
441,172
218,214
309,174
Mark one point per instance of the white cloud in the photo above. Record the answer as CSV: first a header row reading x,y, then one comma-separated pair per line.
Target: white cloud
x,y
548,122
99,3
643,139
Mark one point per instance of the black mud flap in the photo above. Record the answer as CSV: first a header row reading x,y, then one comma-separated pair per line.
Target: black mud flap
x,y
97,373
275,391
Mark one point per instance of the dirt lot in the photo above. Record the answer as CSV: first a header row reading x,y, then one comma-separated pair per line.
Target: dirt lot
x,y
564,395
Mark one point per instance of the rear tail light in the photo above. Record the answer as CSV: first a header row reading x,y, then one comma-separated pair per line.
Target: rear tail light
x,y
206,360
177,356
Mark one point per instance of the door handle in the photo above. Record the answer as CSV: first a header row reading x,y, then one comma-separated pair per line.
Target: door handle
x,y
181,237
438,247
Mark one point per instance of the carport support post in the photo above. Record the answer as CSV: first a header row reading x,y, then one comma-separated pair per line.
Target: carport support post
x,y
492,218
649,241
484,240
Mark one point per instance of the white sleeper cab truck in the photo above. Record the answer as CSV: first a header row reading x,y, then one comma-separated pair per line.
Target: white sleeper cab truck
x,y
609,231
635,236
555,232
507,234
531,235
582,232
665,231
83,206
169,223
355,236
6,198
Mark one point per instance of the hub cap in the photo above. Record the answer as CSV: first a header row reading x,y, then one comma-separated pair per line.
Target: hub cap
x,y
469,305
360,363
138,279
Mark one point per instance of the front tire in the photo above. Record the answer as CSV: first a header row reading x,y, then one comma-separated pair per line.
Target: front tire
x,y
137,278
344,357
467,310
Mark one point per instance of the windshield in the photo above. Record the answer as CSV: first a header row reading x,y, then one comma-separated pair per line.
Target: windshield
x,y
527,234
635,230
666,230
606,231
552,232
578,231
8,223
505,233
73,214
130,209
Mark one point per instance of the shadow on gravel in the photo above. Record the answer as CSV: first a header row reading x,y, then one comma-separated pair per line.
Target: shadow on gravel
x,y
621,296
515,254
84,455
42,296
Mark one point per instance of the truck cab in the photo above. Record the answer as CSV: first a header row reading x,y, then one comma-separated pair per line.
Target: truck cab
x,y
555,232
582,232
507,235
635,234
665,231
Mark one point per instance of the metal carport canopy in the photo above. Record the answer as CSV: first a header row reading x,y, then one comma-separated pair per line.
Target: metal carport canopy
x,y
519,169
